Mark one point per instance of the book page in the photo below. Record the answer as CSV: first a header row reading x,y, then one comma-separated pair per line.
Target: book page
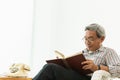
x,y
60,55
74,54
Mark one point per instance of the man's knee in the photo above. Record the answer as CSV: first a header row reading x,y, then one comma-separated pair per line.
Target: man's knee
x,y
51,66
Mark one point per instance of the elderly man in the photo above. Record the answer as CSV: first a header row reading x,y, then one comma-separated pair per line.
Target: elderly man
x,y
98,58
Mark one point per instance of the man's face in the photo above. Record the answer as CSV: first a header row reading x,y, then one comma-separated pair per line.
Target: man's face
x,y
92,42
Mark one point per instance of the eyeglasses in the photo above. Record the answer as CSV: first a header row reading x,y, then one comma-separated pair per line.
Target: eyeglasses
x,y
90,39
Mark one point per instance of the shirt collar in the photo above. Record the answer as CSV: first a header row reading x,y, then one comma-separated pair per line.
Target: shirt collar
x,y
98,50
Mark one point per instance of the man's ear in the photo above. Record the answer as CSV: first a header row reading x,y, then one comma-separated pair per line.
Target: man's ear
x,y
102,38
26,67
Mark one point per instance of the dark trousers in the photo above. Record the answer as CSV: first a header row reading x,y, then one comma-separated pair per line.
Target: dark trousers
x,y
55,72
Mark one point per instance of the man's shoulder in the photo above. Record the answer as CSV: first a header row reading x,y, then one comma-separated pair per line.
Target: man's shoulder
x,y
107,49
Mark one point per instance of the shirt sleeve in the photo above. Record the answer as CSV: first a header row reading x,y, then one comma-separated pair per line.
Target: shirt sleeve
x,y
113,62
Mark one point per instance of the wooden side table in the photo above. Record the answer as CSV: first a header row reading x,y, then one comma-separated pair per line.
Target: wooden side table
x,y
10,78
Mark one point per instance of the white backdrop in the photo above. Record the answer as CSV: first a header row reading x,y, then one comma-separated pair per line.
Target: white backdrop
x,y
59,25
31,35
16,20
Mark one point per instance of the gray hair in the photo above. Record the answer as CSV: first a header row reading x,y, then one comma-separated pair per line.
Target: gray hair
x,y
96,27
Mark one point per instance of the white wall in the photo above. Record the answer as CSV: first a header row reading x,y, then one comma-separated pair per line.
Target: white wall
x,y
16,21
59,25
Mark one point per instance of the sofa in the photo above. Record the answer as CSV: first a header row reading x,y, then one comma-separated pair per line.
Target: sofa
x,y
103,75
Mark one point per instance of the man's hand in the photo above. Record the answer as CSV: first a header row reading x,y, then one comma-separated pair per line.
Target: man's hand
x,y
89,64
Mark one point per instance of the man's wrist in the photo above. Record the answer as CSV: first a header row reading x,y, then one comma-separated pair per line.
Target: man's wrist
x,y
99,68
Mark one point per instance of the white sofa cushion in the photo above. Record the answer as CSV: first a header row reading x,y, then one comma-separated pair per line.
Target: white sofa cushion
x,y
103,75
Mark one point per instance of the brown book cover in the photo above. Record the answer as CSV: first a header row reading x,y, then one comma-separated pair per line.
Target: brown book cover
x,y
72,62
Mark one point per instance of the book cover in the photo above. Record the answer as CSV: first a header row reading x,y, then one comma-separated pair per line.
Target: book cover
x,y
72,62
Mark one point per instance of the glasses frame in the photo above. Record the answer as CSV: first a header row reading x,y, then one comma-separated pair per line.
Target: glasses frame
x,y
90,39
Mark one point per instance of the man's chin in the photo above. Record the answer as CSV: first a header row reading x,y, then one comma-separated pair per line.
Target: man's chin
x,y
90,49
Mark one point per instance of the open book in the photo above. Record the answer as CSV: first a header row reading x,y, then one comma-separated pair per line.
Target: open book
x,y
71,62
